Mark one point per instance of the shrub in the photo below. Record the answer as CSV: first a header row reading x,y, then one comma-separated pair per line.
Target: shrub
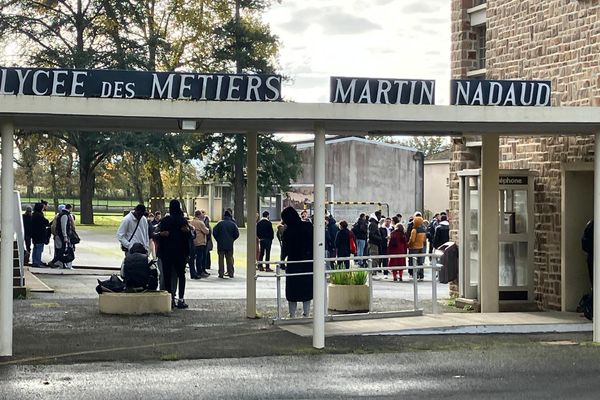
x,y
348,278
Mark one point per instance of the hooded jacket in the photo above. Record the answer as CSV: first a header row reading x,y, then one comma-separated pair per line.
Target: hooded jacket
x,y
374,234
442,234
418,235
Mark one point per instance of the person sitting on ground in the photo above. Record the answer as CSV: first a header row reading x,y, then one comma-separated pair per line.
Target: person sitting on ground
x,y
136,270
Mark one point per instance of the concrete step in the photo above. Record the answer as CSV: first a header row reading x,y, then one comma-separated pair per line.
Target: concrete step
x,y
17,281
19,292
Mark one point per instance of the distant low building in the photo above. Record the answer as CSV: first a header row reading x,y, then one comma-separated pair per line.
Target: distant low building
x,y
437,188
358,170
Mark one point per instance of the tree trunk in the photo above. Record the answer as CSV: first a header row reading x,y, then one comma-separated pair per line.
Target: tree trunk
x,y
54,185
238,182
157,191
87,181
29,193
69,182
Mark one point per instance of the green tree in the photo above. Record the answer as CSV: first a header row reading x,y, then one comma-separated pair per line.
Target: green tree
x,y
28,147
278,162
244,44
427,145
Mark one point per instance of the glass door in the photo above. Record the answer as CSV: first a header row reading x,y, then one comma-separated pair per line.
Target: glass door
x,y
514,242
469,251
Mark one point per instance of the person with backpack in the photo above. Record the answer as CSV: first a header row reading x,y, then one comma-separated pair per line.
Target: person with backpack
x,y
134,229
62,239
137,274
360,231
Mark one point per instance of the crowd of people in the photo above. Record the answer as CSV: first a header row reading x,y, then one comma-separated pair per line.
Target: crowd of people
x,y
376,235
38,231
176,242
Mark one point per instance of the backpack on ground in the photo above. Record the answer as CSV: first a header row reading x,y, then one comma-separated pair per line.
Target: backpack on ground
x,y
114,284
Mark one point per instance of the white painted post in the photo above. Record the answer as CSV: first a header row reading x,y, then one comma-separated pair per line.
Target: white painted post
x,y
319,242
251,199
596,321
488,276
6,245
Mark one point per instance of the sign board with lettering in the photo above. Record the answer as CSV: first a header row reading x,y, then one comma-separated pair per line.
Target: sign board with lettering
x,y
513,180
381,91
139,84
500,93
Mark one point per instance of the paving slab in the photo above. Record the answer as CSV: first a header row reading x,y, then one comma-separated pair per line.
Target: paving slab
x,y
450,323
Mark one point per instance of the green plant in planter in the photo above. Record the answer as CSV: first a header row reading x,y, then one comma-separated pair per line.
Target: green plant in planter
x,y
348,278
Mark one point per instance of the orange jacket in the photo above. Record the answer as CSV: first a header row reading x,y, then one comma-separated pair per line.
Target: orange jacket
x,y
418,235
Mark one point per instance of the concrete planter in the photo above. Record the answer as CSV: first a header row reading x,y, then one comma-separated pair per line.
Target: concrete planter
x,y
348,297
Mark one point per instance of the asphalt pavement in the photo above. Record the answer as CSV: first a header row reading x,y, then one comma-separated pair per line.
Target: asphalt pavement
x,y
542,370
65,349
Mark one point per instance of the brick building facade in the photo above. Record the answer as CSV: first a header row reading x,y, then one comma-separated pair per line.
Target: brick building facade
x,y
555,40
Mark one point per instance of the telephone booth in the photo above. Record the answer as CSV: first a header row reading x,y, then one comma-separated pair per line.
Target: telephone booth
x,y
515,236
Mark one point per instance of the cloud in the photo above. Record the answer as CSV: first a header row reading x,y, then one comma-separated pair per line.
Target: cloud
x,y
332,21
421,7
382,2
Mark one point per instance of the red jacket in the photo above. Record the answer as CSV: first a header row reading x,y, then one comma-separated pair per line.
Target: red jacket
x,y
397,245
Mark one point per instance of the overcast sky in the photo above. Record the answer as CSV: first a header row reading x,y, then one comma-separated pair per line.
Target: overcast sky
x,y
361,38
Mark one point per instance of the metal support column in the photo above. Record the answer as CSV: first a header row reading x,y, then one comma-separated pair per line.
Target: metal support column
x,y
251,204
488,276
6,245
596,283
319,242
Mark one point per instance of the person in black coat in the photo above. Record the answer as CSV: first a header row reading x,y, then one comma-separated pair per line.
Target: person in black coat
x,y
40,234
225,233
342,243
173,250
442,233
265,235
27,233
297,244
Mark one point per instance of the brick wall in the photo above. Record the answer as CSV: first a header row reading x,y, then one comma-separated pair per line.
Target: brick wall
x,y
463,53
556,40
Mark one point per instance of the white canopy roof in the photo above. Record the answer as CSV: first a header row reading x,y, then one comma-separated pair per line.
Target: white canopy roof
x,y
47,112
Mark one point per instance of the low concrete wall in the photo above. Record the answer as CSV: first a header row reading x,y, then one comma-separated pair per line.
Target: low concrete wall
x,y
135,303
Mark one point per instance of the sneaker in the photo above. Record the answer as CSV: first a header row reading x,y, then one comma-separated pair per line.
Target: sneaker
x,y
221,277
395,279
181,304
204,275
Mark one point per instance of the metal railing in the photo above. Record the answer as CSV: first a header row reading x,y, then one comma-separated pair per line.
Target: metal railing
x,y
434,266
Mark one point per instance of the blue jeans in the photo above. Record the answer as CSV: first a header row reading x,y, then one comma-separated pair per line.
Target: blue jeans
x,y
200,259
361,244
36,256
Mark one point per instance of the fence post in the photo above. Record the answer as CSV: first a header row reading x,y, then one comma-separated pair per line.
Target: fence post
x,y
434,307
370,275
277,272
415,287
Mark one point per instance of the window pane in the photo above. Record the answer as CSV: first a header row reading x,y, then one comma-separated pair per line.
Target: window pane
x,y
513,264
